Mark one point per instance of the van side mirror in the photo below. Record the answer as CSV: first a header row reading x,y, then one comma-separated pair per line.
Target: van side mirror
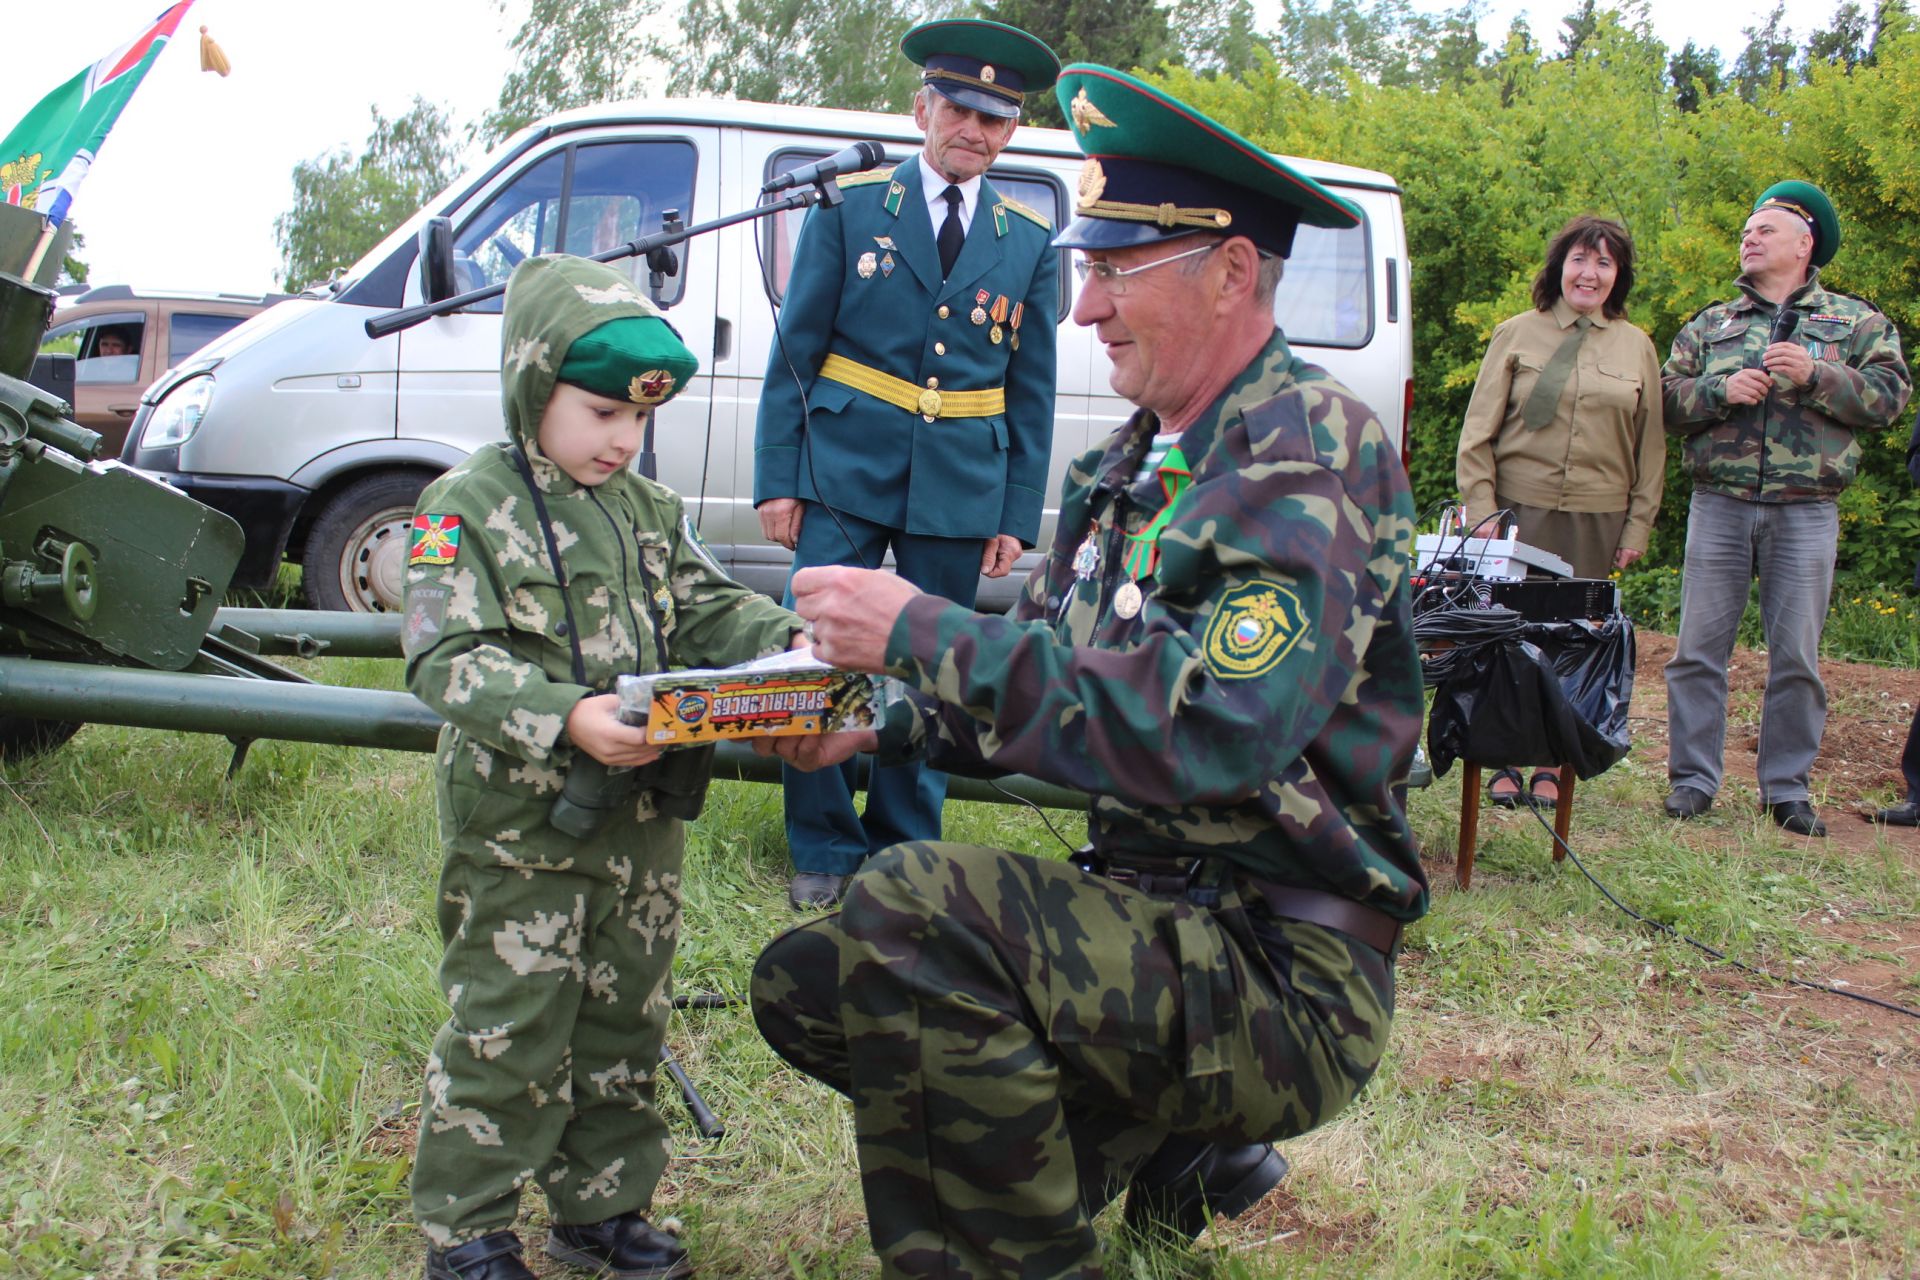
x,y
436,260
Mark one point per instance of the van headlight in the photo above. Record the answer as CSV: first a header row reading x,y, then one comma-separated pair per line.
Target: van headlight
x,y
179,414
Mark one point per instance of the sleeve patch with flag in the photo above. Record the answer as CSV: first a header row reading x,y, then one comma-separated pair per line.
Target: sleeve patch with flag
x,y
436,540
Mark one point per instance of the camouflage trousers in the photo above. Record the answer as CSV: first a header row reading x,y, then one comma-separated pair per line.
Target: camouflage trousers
x,y
557,970
1010,1028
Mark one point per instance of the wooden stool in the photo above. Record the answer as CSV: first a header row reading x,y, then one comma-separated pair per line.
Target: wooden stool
x,y
1470,820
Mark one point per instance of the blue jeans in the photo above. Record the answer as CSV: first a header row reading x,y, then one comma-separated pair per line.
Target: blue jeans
x,y
1790,547
824,834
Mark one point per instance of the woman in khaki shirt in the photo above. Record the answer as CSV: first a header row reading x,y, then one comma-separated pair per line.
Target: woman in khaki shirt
x,y
1564,428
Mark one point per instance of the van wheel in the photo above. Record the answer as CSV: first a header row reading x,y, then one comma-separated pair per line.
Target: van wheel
x,y
23,736
357,549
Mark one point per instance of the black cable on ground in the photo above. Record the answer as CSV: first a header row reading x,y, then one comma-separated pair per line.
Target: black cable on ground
x,y
1672,932
1071,848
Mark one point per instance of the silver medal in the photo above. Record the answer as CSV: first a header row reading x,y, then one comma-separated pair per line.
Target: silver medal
x,y
1126,601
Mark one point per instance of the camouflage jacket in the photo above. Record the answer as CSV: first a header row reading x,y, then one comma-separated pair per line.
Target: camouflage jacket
x,y
1266,695
487,620
1798,445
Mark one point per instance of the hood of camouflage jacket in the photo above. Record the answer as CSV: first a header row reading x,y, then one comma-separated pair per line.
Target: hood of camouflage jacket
x,y
552,302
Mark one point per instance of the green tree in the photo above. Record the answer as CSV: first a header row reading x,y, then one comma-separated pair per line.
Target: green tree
x,y
1128,34
1694,73
343,203
572,53
827,53
73,268
1846,43
1766,64
1217,37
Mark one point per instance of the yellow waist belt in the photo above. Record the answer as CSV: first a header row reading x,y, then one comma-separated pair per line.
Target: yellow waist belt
x,y
929,401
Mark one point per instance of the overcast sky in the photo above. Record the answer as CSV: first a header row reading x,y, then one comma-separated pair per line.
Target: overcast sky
x,y
188,183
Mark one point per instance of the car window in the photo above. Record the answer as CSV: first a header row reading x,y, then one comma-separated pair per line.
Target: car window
x,y
1326,297
779,234
106,347
192,330
584,199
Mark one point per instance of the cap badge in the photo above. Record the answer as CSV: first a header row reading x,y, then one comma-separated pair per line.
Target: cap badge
x,y
986,73
651,387
1086,115
1093,180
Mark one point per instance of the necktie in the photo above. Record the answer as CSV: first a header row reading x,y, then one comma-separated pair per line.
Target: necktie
x,y
952,234
1539,408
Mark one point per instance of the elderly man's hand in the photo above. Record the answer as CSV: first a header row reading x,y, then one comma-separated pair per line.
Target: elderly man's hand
x,y
999,555
1791,361
852,612
1748,386
780,520
818,750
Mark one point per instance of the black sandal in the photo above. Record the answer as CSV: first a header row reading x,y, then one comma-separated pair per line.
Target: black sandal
x,y
1506,799
1552,778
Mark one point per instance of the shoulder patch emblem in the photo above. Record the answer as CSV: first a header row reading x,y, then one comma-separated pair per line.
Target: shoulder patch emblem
x,y
864,178
1252,630
1031,214
436,540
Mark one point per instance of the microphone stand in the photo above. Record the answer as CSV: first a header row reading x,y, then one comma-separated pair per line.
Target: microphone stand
x,y
823,191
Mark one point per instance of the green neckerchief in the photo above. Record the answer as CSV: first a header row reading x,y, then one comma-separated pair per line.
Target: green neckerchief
x,y
1143,549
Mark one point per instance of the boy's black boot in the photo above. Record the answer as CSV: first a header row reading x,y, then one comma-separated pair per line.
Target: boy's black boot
x,y
625,1248
492,1257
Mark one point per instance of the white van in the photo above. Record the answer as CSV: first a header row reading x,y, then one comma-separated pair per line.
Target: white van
x,y
317,438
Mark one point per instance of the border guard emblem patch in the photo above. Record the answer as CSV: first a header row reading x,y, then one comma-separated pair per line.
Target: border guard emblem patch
x,y
436,540
1255,626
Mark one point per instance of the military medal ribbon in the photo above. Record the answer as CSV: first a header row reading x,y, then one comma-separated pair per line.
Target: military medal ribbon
x,y
1143,548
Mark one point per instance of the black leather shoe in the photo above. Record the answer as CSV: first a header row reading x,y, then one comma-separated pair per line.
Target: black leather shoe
x,y
1900,815
1797,817
816,889
1687,802
625,1248
1187,1181
491,1257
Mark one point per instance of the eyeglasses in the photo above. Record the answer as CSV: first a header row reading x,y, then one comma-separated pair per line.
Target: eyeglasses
x,y
1114,280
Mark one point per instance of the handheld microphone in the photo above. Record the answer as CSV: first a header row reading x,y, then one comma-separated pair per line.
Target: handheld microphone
x,y
1784,325
855,159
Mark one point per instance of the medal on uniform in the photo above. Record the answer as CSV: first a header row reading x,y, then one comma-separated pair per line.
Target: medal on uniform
x,y
994,335
886,265
885,242
866,266
979,315
1143,548
1014,324
999,310
1086,559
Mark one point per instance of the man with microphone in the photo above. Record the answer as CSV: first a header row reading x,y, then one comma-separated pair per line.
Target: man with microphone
x,y
908,402
1770,392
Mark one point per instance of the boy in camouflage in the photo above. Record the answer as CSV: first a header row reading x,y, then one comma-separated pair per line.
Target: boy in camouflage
x,y
541,568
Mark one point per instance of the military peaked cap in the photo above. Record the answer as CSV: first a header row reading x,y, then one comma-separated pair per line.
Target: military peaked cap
x,y
1810,204
988,66
1157,168
635,358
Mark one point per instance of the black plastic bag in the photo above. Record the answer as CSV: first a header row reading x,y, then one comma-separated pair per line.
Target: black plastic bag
x,y
1558,695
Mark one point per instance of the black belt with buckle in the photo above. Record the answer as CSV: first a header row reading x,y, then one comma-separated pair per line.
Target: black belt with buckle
x,y
1181,877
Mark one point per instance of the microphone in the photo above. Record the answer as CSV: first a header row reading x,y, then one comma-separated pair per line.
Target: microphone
x,y
1783,325
855,159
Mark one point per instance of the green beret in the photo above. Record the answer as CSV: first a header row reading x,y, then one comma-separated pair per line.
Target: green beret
x,y
1158,168
1810,204
636,358
988,66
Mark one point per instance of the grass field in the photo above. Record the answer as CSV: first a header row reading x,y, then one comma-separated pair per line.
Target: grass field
x,y
218,995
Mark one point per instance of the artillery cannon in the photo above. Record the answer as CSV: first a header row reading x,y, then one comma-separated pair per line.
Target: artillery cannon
x,y
111,585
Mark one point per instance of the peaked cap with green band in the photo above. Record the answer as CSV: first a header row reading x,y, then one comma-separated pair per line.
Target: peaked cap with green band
x,y
1157,168
636,358
1810,204
988,66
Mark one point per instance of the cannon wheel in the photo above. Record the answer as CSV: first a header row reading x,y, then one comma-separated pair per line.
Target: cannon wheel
x,y
23,736
356,557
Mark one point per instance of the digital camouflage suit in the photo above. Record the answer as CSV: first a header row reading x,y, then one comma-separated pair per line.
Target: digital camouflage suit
x,y
558,950
1010,1027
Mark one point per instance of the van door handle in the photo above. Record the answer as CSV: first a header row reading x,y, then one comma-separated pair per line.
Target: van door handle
x,y
123,410
722,339
1393,291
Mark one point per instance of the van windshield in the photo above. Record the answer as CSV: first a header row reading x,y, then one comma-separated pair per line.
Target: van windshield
x,y
582,200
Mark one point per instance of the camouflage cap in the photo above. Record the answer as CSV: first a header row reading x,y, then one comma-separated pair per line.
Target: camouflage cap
x,y
1810,204
988,66
635,358
1157,168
